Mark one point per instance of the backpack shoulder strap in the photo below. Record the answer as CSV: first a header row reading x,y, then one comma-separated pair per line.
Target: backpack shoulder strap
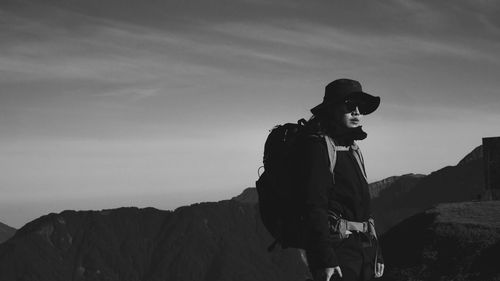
x,y
359,158
332,154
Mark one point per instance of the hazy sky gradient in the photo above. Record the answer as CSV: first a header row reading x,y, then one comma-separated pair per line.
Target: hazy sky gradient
x,y
165,103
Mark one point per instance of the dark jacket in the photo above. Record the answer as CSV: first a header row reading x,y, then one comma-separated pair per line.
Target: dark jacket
x,y
348,196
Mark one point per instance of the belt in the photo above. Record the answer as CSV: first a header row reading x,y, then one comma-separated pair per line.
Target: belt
x,y
357,226
345,227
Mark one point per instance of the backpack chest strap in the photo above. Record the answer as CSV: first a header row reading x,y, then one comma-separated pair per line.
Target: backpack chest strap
x,y
342,148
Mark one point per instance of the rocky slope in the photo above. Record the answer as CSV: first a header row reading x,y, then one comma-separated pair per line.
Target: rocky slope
x,y
208,241
6,232
454,241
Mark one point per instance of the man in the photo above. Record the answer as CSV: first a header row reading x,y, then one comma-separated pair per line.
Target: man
x,y
341,239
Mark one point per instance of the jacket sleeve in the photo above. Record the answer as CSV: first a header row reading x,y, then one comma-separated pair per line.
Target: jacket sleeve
x,y
317,181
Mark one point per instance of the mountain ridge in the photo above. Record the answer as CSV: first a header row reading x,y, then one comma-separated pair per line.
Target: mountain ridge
x,y
206,241
404,198
376,187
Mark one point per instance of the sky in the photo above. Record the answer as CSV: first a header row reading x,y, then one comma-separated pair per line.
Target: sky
x,y
117,103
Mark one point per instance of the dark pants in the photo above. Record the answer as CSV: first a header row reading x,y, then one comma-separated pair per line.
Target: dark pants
x,y
356,257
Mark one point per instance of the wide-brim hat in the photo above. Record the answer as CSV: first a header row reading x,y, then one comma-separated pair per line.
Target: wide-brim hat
x,y
341,90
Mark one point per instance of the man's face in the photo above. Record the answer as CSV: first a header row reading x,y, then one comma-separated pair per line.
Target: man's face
x,y
350,117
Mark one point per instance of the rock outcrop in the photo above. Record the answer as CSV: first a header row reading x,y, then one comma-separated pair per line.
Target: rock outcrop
x,y
454,241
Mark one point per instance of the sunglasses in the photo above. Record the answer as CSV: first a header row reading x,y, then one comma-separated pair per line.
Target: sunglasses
x,y
350,106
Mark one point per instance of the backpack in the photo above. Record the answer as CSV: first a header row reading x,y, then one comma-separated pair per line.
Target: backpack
x,y
281,198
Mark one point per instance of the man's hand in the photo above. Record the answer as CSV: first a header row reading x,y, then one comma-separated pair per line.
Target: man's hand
x,y
326,273
379,270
